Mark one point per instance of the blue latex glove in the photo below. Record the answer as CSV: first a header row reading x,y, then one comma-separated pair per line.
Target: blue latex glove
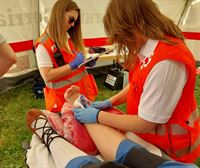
x,y
86,115
91,63
77,61
102,104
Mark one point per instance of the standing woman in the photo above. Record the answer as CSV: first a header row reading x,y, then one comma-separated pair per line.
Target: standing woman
x,y
59,52
161,105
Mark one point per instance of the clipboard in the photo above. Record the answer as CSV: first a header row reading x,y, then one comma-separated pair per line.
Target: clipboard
x,y
96,56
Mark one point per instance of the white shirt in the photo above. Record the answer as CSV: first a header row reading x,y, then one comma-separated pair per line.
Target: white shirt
x,y
162,88
43,57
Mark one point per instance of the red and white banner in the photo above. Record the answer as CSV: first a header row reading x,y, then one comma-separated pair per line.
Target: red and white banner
x,y
22,21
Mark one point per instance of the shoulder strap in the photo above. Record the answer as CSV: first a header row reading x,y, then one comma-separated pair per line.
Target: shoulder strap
x,y
58,56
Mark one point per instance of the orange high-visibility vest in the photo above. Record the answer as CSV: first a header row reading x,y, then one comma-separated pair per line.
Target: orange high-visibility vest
x,y
54,90
180,136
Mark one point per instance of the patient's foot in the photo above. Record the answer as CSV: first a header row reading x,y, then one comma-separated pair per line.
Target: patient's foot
x,y
72,94
74,98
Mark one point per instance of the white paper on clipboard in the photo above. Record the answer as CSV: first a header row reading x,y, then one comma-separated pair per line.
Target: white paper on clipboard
x,y
96,56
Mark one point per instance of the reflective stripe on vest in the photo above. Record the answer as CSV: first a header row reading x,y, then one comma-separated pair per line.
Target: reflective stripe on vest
x,y
73,79
176,129
193,117
186,150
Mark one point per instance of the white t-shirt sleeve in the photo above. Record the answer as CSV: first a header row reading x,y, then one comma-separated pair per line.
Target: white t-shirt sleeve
x,y
162,91
43,57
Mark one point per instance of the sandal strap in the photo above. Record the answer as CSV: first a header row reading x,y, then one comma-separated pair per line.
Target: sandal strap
x,y
48,136
48,133
42,127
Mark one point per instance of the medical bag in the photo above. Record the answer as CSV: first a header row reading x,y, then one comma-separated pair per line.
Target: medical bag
x,y
38,86
116,77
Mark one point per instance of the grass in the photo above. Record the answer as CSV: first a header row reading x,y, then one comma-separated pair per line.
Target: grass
x,y
13,107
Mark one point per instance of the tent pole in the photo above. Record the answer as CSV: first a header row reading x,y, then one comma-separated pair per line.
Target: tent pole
x,y
186,4
38,17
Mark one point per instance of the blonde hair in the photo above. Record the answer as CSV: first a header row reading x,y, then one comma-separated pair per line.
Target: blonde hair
x,y
57,30
126,18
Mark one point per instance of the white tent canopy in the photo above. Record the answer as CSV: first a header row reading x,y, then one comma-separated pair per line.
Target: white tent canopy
x,y
22,21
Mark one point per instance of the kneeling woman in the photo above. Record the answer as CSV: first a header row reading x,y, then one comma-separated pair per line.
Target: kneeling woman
x,y
59,53
161,105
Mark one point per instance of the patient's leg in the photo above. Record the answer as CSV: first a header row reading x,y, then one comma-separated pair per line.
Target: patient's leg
x,y
61,150
74,131
74,98
106,139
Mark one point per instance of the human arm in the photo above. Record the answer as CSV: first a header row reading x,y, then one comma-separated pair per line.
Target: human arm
x,y
45,65
116,100
126,122
49,74
120,97
164,83
161,92
7,57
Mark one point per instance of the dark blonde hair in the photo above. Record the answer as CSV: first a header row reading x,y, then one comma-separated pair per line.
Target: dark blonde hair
x,y
57,30
126,18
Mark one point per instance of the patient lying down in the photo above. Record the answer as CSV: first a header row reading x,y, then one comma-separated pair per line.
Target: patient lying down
x,y
66,124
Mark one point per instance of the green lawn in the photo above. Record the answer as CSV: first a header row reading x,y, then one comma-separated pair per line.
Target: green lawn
x,y
13,107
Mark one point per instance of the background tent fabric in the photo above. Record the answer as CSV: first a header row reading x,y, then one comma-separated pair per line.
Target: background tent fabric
x,y
22,21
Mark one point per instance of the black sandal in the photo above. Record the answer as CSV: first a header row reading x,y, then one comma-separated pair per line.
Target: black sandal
x,y
48,134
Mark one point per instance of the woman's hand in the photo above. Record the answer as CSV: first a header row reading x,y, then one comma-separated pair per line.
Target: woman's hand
x,y
91,63
77,61
86,115
102,105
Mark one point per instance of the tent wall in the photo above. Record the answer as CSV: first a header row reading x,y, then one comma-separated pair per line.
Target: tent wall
x,y
190,24
22,21
19,25
92,12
